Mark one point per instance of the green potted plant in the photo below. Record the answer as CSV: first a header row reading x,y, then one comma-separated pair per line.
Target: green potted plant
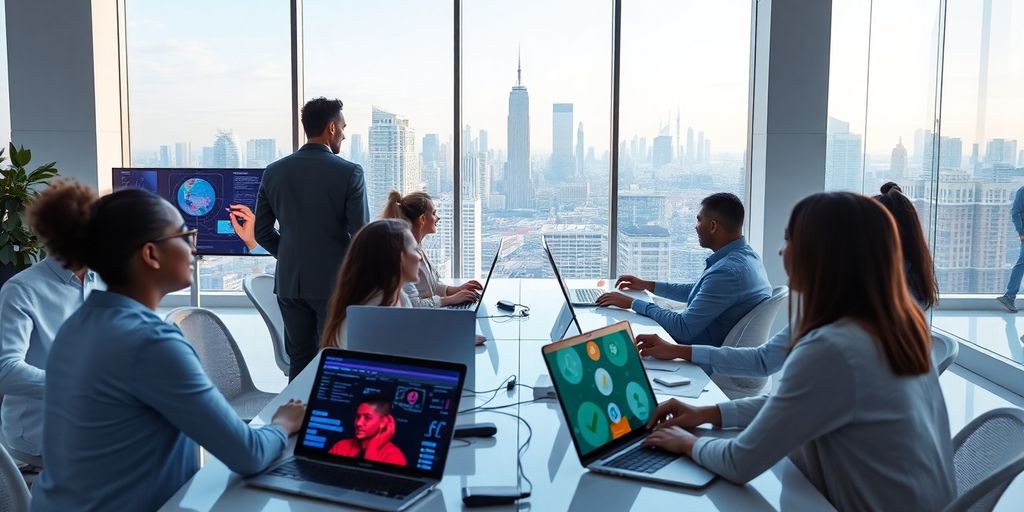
x,y
19,247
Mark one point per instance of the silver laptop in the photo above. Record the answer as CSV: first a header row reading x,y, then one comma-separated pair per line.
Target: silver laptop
x,y
475,306
607,401
575,296
356,399
442,334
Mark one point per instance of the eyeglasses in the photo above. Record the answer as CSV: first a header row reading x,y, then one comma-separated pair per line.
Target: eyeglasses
x,y
191,236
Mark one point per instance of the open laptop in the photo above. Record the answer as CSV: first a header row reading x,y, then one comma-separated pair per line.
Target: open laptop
x,y
566,321
575,296
475,305
607,401
355,398
442,334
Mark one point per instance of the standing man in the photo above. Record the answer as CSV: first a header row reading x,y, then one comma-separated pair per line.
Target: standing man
x,y
1012,287
319,201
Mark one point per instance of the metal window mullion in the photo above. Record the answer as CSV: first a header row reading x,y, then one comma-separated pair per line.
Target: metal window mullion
x,y
613,180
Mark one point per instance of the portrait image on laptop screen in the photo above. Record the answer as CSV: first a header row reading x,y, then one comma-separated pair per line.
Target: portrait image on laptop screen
x,y
202,196
368,410
601,385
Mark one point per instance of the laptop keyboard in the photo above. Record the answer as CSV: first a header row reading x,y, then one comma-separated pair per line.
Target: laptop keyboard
x,y
464,305
643,460
588,295
388,486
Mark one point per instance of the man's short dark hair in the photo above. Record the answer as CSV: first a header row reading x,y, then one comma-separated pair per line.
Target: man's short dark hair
x,y
380,403
317,112
726,208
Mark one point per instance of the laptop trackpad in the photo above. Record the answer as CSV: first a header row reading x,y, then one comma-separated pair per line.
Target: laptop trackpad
x,y
686,472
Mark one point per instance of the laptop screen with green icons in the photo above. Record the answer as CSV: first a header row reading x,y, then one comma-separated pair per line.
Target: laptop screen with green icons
x,y
602,387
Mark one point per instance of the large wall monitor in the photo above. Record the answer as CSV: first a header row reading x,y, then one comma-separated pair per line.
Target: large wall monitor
x,y
202,196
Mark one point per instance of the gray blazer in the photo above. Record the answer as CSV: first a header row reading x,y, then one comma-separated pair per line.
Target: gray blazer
x,y
319,200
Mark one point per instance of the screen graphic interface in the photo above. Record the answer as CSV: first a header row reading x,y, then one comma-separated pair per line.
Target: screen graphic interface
x,y
202,196
603,389
382,412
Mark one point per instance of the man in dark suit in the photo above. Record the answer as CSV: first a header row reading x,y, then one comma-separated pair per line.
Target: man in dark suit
x,y
319,201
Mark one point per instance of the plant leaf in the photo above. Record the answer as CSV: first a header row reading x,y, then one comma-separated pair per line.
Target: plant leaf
x,y
7,255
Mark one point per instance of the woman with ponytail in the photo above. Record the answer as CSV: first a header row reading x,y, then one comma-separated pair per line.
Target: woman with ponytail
x,y
126,399
417,208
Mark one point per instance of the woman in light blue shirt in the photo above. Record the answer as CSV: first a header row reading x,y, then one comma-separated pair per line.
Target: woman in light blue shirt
x,y
859,408
768,358
126,398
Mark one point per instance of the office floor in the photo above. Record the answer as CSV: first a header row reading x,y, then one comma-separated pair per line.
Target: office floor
x,y
967,394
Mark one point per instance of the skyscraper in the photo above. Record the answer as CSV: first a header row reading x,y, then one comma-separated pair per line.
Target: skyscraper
x,y
519,186
951,153
662,149
642,208
482,142
1001,151
431,149
579,151
225,150
562,164
646,251
690,149
580,250
357,156
260,152
394,163
183,154
842,157
898,161
165,156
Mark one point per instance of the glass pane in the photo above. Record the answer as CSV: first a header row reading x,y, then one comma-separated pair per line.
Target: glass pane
x,y
536,115
976,242
210,88
847,97
685,86
391,63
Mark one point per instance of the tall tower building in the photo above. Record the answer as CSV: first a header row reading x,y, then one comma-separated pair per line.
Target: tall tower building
x,y
898,161
519,187
431,149
260,152
183,154
225,150
580,250
562,165
842,157
394,163
579,151
481,141
646,251
690,149
1001,151
166,159
358,155
662,150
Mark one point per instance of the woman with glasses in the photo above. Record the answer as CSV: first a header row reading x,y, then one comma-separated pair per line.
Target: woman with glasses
x,y
417,208
858,408
126,399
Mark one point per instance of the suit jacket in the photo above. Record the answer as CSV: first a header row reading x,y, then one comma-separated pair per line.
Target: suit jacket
x,y
319,201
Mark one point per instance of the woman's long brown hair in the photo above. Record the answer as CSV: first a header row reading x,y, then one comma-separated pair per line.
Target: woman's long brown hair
x,y
846,261
920,269
373,264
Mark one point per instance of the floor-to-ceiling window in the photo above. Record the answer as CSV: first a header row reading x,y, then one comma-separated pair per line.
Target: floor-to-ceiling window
x,y
208,86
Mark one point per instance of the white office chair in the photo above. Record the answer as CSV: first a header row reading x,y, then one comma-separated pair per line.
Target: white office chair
x,y
752,330
987,455
944,350
221,359
14,495
260,290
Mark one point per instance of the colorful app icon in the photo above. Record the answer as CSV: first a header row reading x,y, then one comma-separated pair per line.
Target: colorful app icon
x,y
593,351
592,423
636,399
603,381
570,365
614,413
616,345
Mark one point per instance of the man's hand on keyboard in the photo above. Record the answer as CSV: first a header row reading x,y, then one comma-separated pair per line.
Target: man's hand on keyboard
x,y
616,299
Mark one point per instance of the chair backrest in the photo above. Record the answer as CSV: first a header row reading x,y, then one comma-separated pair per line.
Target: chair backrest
x,y
987,455
944,350
218,352
752,330
260,290
14,495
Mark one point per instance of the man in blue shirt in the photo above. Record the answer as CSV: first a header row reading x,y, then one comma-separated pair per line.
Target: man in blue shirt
x,y
733,282
33,306
1012,287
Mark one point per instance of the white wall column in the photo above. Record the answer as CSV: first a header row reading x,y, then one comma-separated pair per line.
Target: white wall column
x,y
790,108
66,76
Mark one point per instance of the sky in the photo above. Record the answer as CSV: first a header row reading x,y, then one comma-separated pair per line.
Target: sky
x,y
196,66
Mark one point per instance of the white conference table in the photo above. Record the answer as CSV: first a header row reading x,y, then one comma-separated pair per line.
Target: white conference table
x,y
550,462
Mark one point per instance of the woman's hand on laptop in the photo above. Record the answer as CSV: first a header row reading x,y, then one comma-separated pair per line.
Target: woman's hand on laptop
x,y
674,413
472,285
289,416
628,282
672,439
460,297
652,345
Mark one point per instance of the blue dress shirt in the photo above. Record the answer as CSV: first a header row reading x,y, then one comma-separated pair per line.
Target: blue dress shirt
x,y
33,305
126,402
734,281
1017,211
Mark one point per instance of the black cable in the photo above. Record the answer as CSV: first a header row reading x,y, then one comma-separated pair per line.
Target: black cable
x,y
482,407
522,449
504,384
